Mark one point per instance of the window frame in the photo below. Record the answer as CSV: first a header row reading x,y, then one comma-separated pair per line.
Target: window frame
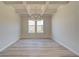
x,y
36,28
40,25
31,25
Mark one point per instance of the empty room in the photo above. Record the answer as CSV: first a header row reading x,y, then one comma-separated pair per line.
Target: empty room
x,y
39,28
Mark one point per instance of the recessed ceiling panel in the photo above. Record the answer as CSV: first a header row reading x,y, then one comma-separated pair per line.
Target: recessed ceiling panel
x,y
35,7
58,2
13,2
35,2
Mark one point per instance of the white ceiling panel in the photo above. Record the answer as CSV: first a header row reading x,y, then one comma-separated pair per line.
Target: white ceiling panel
x,y
35,7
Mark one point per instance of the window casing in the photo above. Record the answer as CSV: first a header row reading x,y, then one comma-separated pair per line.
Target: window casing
x,y
31,26
35,26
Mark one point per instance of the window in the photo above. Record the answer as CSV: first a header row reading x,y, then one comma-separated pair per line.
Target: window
x,y
31,26
40,26
35,26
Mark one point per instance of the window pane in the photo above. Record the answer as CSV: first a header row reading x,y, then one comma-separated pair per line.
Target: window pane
x,y
39,28
31,22
31,28
40,22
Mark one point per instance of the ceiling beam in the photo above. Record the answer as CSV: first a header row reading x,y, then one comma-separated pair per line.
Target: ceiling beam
x,y
27,8
44,7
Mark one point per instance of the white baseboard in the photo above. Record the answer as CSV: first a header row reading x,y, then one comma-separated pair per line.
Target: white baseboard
x,y
67,47
6,46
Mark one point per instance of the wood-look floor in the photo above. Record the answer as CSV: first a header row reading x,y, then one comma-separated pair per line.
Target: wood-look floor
x,y
36,48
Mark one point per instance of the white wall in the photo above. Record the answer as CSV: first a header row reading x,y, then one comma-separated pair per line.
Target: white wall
x,y
9,26
65,27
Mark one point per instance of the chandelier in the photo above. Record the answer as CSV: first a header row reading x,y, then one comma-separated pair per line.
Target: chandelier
x,y
35,16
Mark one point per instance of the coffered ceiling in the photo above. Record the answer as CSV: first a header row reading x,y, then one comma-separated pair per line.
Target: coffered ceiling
x,y
35,7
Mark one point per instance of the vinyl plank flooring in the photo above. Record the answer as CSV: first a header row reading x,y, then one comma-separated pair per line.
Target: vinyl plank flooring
x,y
36,48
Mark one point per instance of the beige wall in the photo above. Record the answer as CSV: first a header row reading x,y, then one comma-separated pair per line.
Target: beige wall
x,y
9,26
47,28
65,27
